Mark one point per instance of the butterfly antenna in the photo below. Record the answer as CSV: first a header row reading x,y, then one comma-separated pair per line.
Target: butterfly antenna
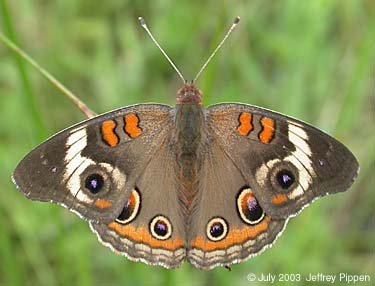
x,y
144,25
235,23
82,106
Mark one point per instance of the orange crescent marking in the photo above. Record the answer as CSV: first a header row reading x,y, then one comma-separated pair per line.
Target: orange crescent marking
x,y
108,133
268,131
235,236
132,201
103,204
245,126
131,125
142,235
279,199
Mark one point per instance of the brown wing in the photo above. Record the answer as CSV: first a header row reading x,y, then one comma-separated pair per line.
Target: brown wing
x,y
151,228
286,162
92,167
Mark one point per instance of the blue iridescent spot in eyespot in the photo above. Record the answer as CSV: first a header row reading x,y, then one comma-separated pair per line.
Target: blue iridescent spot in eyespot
x,y
94,183
253,212
285,178
161,228
217,229
252,204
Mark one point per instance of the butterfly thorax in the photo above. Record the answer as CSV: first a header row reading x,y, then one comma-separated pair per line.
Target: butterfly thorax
x,y
189,122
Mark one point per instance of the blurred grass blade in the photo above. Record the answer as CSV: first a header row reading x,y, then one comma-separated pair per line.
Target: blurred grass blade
x,y
31,104
82,106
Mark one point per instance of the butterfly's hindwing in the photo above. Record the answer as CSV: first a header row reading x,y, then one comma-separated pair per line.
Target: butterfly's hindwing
x,y
211,186
224,230
155,234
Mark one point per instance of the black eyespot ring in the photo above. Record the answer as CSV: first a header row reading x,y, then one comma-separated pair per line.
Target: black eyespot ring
x,y
94,183
97,179
285,178
217,229
248,207
160,227
131,209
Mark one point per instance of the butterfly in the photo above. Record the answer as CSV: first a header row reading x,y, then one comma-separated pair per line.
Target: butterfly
x,y
163,185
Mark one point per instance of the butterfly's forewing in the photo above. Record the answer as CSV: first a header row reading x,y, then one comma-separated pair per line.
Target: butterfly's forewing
x,y
91,167
252,170
287,163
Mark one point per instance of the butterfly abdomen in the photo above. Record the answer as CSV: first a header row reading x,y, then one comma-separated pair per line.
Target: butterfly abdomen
x,y
189,122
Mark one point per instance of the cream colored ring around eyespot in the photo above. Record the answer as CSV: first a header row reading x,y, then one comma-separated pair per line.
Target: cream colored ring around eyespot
x,y
167,223
135,211
243,193
211,223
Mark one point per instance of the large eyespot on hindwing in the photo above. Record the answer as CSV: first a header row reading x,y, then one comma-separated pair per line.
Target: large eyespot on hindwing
x,y
217,229
131,209
160,227
248,207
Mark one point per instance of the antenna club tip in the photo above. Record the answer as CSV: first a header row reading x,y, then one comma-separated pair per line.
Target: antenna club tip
x,y
236,20
141,21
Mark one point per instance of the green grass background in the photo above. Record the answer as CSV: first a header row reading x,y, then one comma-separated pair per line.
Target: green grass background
x,y
310,59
